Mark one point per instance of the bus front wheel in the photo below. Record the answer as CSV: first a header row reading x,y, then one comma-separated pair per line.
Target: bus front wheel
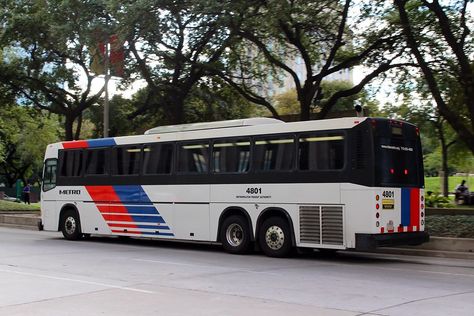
x,y
275,237
71,225
235,234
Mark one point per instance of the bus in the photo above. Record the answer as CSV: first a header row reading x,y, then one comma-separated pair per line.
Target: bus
x,y
346,183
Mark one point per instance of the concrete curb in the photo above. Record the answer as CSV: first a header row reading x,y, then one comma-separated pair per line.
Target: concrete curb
x,y
443,247
27,220
449,211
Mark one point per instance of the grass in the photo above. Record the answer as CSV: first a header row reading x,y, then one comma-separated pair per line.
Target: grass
x,y
434,183
6,206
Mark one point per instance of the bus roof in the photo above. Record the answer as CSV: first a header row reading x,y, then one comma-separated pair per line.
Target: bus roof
x,y
212,125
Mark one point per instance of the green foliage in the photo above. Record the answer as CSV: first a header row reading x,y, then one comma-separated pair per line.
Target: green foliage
x,y
437,200
46,55
287,102
216,101
25,134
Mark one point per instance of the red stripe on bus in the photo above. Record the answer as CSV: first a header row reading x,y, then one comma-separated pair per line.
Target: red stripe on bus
x,y
125,225
382,230
118,218
116,208
415,207
103,208
102,193
75,144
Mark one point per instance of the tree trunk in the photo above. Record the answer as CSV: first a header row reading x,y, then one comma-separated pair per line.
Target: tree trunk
x,y
444,162
77,134
69,128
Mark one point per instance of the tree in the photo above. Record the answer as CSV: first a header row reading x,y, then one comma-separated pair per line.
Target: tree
x,y
442,47
287,102
172,43
48,50
23,149
316,33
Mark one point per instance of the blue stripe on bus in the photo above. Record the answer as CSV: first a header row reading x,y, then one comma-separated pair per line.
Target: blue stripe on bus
x,y
147,219
136,209
153,227
101,142
405,207
128,193
157,234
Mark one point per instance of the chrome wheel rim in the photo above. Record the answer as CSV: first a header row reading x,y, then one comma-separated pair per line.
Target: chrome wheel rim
x,y
234,235
274,237
70,225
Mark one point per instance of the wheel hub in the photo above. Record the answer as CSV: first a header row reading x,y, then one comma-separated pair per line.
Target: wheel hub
x,y
274,237
234,235
70,225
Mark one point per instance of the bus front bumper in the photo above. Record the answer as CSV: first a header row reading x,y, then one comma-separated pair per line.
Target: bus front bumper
x,y
372,241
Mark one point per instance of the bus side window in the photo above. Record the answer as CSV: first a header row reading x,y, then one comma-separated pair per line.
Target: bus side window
x,y
274,154
126,160
231,156
96,162
157,158
49,174
70,162
321,151
193,157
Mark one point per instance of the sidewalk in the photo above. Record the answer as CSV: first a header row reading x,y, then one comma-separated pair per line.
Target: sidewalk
x,y
459,248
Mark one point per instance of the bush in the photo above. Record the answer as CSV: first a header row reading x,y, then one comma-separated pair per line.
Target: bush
x,y
437,200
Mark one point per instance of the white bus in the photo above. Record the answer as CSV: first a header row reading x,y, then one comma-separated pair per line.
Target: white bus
x,y
348,183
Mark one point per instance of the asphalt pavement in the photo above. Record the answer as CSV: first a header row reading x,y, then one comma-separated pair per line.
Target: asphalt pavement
x,y
43,274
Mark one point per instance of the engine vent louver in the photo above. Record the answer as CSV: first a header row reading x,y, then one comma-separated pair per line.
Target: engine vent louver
x,y
321,225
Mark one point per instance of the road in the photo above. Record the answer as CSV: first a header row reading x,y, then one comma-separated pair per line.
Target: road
x,y
43,274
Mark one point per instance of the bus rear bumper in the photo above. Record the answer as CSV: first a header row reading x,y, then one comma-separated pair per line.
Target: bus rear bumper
x,y
372,241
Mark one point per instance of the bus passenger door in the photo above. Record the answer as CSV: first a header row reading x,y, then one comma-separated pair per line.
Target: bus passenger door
x,y
49,196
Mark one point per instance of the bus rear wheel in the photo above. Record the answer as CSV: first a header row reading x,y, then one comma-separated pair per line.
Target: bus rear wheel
x,y
235,234
71,225
275,237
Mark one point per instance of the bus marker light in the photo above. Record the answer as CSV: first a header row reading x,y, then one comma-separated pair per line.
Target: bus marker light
x,y
422,222
377,215
405,171
422,206
377,197
422,214
422,198
377,206
377,224
392,171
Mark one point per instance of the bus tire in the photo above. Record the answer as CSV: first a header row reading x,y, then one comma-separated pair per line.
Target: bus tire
x,y
235,234
71,225
275,237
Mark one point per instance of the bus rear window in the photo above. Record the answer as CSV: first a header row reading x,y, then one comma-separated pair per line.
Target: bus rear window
x,y
396,162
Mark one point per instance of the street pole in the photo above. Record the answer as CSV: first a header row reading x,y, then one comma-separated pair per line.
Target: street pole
x,y
106,101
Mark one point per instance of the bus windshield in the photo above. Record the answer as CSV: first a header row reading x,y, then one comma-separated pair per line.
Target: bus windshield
x,y
397,161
